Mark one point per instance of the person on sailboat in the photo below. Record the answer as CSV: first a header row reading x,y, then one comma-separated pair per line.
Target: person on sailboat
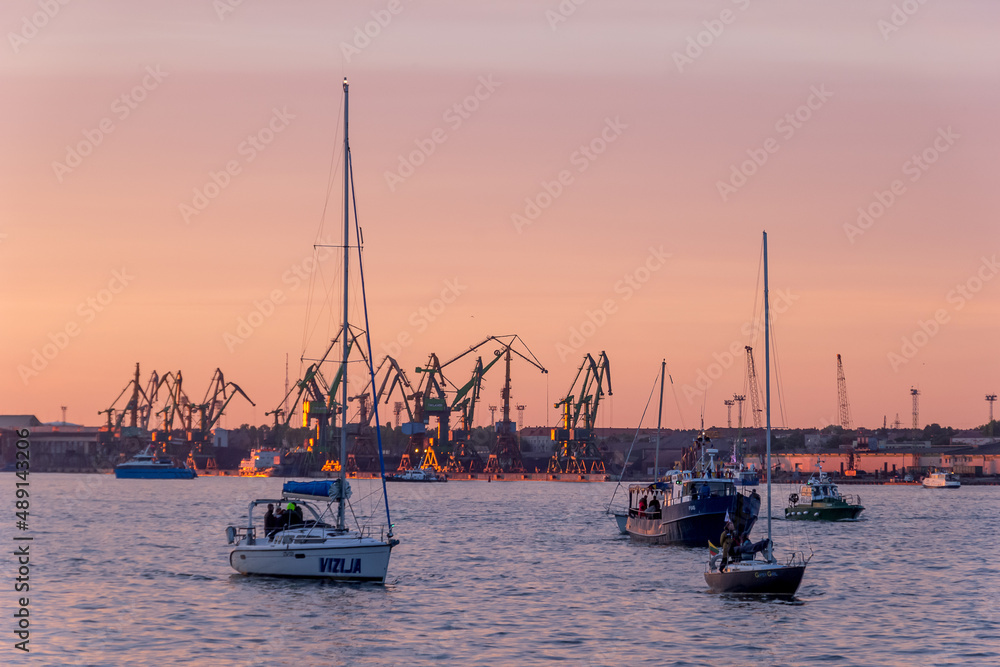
x,y
271,521
727,541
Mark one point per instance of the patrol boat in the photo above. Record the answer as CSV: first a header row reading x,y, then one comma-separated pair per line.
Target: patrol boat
x,y
819,500
314,540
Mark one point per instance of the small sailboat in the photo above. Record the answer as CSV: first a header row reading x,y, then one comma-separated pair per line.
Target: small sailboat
x,y
746,574
311,537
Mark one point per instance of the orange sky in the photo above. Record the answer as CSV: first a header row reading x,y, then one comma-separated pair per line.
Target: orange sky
x,y
115,112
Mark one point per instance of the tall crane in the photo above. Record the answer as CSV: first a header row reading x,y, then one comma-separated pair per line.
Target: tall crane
x,y
915,393
753,389
845,406
430,400
121,437
576,449
505,454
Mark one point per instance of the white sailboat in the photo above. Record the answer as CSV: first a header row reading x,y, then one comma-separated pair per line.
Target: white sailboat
x,y
748,574
307,539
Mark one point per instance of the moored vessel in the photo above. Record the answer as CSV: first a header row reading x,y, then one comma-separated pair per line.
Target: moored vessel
x,y
149,465
942,480
417,475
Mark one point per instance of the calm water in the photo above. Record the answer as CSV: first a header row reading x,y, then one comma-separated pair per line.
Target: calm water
x,y
136,572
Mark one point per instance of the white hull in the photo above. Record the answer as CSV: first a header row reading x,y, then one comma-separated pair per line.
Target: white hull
x,y
941,480
347,558
938,484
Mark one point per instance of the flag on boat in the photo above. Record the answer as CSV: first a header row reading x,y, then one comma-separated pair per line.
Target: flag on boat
x,y
727,517
712,549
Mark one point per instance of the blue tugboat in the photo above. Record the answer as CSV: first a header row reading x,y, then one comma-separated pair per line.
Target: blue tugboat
x,y
148,465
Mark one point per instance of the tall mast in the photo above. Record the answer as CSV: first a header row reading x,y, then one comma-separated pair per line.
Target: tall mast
x,y
659,422
343,339
767,396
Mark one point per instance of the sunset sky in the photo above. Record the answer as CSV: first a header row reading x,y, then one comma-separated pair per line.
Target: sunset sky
x,y
589,175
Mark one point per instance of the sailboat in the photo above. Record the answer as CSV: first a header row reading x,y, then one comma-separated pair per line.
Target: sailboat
x,y
309,537
748,575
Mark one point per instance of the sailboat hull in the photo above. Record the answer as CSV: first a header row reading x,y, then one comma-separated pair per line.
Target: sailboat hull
x,y
766,579
354,560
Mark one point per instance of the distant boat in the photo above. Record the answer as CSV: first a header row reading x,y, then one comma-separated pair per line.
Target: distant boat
x,y
942,480
417,475
745,574
819,500
148,465
262,463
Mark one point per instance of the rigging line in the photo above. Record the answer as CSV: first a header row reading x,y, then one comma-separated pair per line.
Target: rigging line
x,y
335,157
634,439
368,339
673,387
779,385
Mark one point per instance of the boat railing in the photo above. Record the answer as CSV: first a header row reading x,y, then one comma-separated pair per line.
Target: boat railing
x,y
241,534
797,558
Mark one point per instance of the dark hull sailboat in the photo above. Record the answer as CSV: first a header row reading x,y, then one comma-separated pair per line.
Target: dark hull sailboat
x,y
746,575
762,579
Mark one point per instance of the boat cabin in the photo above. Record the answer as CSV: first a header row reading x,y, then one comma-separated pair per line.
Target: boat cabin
x,y
676,487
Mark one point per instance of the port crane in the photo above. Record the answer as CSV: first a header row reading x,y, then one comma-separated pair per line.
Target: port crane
x,y
843,404
505,455
134,435
575,448
753,389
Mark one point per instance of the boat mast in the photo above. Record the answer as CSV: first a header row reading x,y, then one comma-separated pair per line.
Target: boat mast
x,y
659,422
343,340
767,397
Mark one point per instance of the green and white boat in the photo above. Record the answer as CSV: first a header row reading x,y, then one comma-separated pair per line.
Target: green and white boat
x,y
820,500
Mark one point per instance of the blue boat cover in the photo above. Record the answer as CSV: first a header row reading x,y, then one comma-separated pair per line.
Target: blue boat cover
x,y
326,488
